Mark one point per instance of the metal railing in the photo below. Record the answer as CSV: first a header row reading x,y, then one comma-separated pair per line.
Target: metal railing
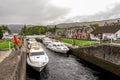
x,y
9,46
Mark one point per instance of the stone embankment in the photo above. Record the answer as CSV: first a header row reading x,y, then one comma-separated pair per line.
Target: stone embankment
x,y
14,66
4,54
105,56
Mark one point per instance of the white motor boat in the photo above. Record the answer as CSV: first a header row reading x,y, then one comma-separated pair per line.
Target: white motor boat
x,y
35,44
32,40
46,41
37,58
58,47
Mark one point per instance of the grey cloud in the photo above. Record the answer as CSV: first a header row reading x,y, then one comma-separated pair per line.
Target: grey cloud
x,y
29,11
109,14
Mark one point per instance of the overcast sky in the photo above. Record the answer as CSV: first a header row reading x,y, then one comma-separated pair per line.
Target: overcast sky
x,y
45,12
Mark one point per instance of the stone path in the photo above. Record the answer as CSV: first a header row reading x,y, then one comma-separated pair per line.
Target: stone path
x,y
115,44
4,54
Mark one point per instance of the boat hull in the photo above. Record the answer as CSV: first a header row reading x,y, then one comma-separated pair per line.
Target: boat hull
x,y
36,67
39,69
59,51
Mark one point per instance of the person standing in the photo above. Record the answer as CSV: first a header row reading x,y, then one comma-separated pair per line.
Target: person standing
x,y
19,43
16,41
73,42
23,40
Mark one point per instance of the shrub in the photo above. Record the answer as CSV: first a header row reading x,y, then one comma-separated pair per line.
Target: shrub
x,y
1,34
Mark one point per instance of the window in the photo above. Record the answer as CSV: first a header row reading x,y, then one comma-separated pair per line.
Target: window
x,y
54,45
36,53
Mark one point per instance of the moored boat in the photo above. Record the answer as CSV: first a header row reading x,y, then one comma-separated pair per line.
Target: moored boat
x,y
58,47
37,58
46,41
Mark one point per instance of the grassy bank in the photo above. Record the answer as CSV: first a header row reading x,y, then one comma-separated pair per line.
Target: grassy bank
x,y
79,42
4,45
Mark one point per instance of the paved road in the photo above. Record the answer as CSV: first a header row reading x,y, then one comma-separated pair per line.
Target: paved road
x,y
61,67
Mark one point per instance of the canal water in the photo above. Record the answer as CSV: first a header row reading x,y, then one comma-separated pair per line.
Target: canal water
x,y
61,67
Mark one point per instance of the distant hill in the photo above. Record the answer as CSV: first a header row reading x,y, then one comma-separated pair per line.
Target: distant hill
x,y
101,23
16,28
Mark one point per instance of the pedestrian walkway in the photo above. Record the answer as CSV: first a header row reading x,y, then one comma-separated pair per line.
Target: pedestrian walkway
x,y
118,44
4,54
70,45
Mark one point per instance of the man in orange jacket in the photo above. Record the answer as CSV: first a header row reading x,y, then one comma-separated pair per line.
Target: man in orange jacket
x,y
16,41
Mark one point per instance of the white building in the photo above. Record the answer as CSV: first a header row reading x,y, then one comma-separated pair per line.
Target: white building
x,y
6,35
106,33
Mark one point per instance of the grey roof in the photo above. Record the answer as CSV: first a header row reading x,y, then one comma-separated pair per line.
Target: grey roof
x,y
107,29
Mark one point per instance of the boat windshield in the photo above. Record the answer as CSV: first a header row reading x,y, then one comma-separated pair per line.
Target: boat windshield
x,y
36,53
54,45
60,45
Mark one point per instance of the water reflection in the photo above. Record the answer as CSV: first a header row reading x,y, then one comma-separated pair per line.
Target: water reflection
x,y
32,74
44,74
99,72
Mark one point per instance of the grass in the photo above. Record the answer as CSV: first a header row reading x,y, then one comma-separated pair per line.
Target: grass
x,y
79,42
4,45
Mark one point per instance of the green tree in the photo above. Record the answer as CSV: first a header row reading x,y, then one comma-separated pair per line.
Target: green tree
x,y
55,29
95,25
23,30
1,34
5,28
34,30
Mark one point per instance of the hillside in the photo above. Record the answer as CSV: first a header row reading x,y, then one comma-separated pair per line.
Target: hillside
x,y
16,28
101,23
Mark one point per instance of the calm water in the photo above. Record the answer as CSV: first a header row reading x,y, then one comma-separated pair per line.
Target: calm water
x,y
61,67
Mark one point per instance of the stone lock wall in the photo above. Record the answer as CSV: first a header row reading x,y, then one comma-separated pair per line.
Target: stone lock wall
x,y
104,56
109,53
14,67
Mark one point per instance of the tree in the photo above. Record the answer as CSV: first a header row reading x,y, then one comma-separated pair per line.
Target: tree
x,y
1,34
34,30
23,30
5,28
95,25
55,29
